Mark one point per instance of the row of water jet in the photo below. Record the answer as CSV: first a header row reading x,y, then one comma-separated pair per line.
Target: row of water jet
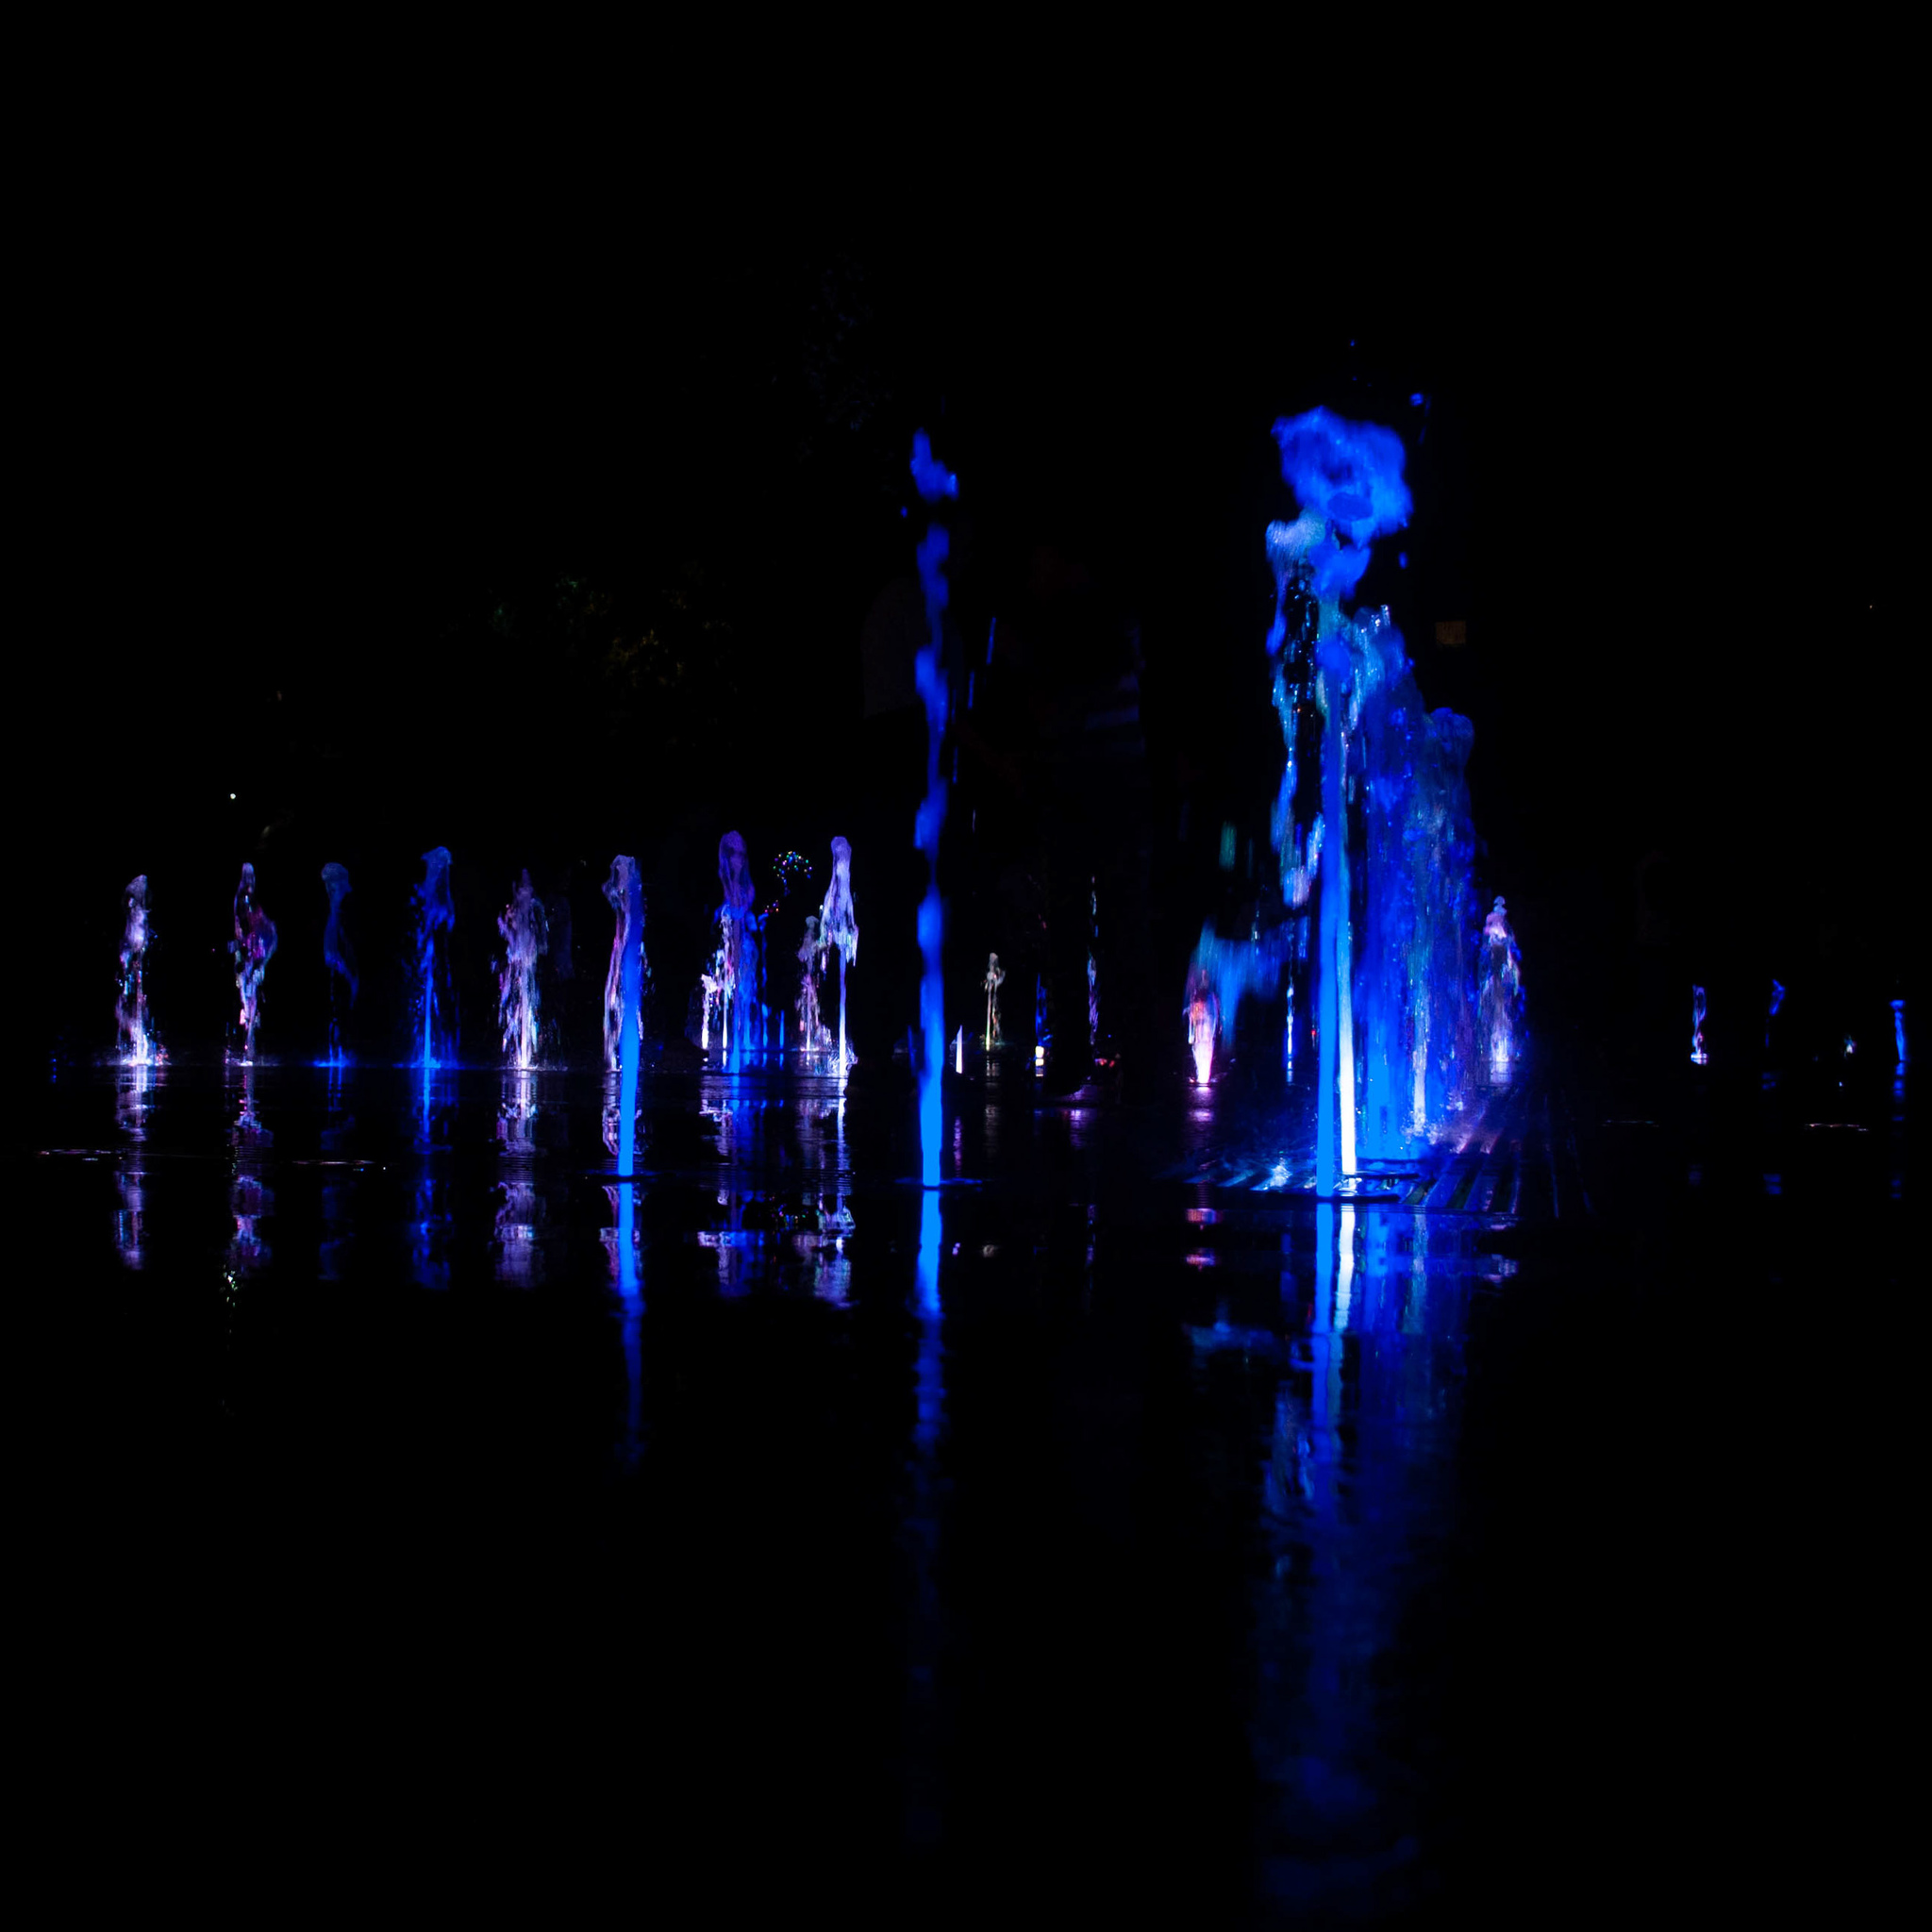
x,y
732,1003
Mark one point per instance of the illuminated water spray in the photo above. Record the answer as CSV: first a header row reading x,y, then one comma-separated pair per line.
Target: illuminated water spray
x,y
711,995
996,978
1203,1012
1499,1001
814,1036
436,916
1369,826
340,958
1898,1033
1699,1057
132,1032
630,993
737,925
935,483
251,949
617,895
525,933
839,929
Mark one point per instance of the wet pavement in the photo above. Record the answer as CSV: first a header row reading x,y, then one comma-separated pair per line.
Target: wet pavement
x,y
1118,1524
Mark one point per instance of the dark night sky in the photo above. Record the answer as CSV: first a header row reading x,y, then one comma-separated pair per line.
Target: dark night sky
x,y
311,506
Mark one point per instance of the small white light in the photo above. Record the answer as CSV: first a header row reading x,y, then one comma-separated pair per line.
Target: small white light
x,y
231,794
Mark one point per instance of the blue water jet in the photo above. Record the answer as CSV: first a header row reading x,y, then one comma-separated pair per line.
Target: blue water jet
x,y
934,483
340,958
436,916
632,932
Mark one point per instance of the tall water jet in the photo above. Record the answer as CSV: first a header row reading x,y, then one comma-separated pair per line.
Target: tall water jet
x,y
132,1033
839,929
526,935
620,889
251,949
996,978
631,980
1699,1057
436,916
935,483
737,925
1347,479
340,958
1898,1035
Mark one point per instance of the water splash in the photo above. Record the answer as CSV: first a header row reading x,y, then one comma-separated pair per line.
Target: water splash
x,y
839,929
1699,1057
526,935
340,958
134,1036
436,917
996,978
934,482
737,925
251,949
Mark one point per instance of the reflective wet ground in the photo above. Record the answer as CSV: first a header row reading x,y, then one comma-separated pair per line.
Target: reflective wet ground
x,y
1117,1527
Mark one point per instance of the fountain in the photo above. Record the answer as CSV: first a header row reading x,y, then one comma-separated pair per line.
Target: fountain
x,y
1499,1002
252,948
631,977
526,939
1898,1035
711,997
1228,972
1203,1013
839,929
1699,1057
618,893
436,915
737,981
996,978
1092,968
814,1036
132,1033
934,483
1369,826
340,958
